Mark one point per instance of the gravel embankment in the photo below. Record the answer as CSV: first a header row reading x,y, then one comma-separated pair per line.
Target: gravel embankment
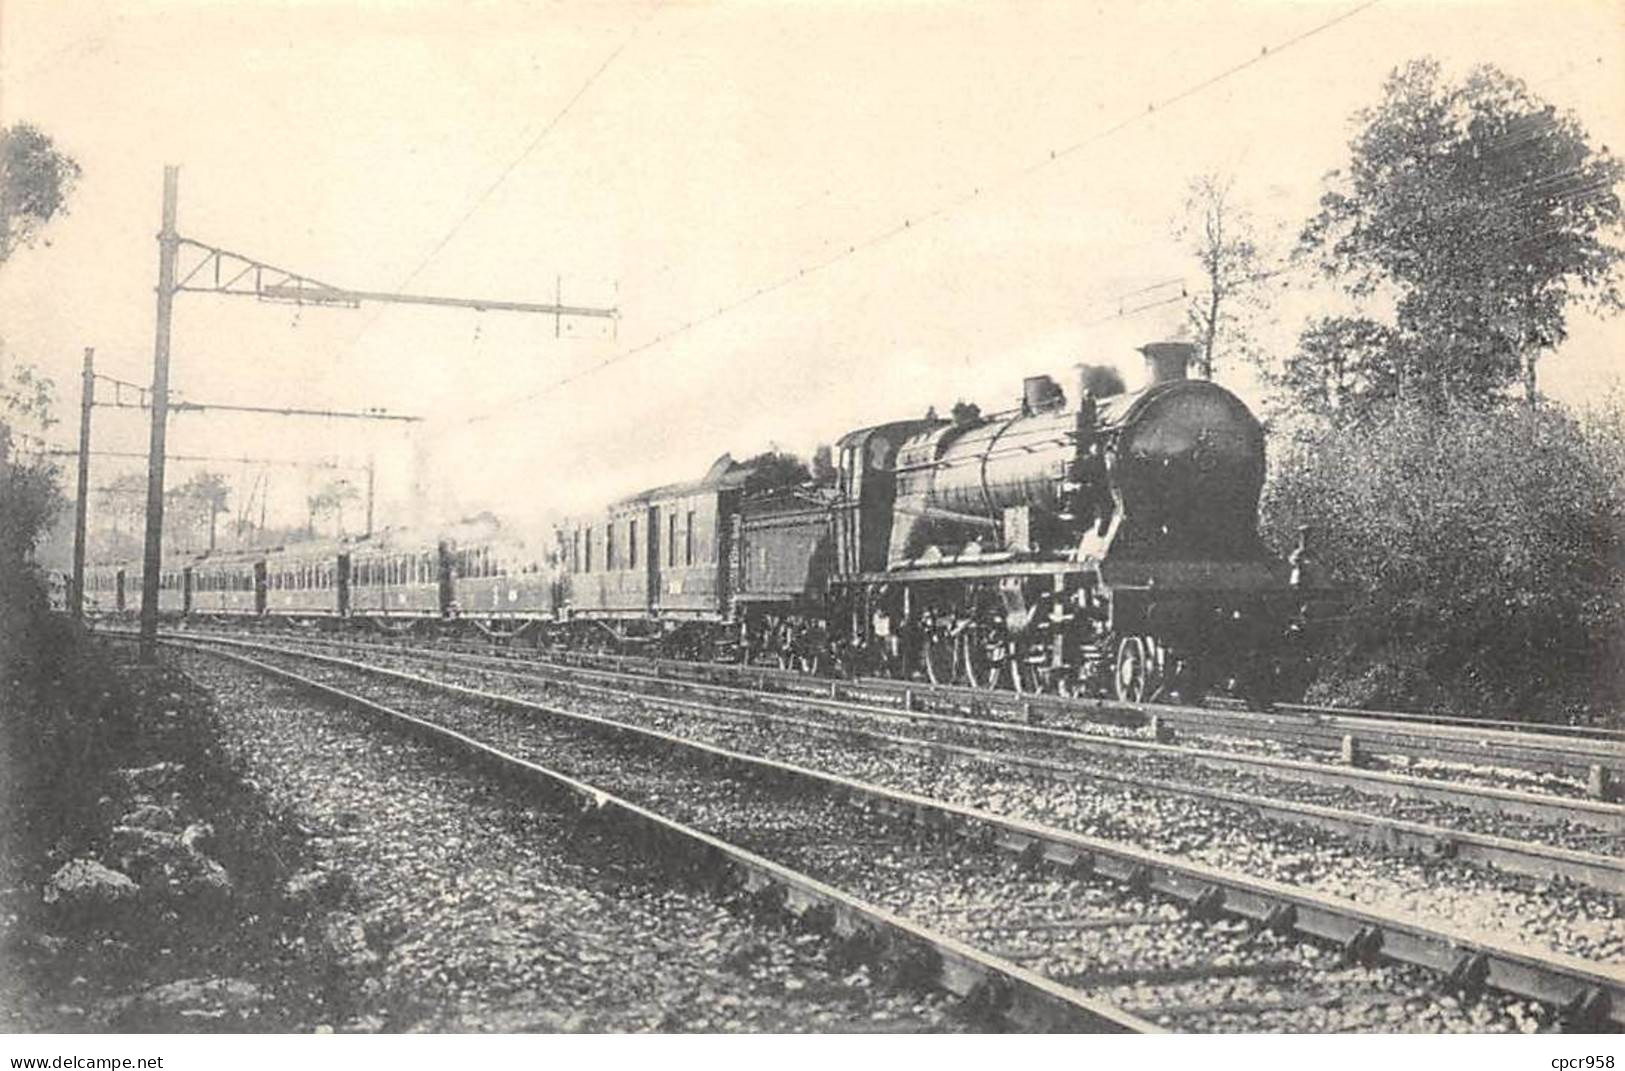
x,y
1097,935
485,913
1481,774
1573,919
1138,768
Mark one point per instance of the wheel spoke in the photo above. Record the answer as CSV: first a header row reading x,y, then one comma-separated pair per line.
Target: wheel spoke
x,y
937,653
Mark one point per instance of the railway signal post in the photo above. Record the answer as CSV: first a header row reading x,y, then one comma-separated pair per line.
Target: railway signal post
x,y
221,271
76,593
152,558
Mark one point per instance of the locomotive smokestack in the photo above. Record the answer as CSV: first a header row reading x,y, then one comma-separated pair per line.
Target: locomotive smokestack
x,y
1166,362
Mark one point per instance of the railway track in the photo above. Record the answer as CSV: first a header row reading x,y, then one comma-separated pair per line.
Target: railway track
x,y
1519,832
1595,762
1236,916
1574,760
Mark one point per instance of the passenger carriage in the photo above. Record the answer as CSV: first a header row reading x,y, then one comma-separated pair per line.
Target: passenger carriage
x,y
303,581
656,563
500,577
230,584
395,574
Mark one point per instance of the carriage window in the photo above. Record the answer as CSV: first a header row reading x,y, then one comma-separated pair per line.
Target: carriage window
x,y
609,546
671,539
632,545
587,542
688,539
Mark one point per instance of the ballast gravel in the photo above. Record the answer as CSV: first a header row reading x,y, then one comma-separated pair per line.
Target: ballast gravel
x,y
1085,751
485,913
1180,970
1574,919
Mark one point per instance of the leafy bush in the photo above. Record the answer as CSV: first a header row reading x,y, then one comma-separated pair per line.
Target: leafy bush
x,y
1482,553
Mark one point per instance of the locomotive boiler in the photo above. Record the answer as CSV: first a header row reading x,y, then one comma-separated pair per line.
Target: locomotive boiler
x,y
1082,543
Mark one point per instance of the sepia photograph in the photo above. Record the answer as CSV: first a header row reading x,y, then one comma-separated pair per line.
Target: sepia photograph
x,y
836,518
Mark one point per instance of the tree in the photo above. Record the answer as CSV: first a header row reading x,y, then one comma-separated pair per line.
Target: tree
x,y
212,494
35,180
1346,369
30,497
329,501
124,500
1220,234
823,466
775,468
1484,213
1482,557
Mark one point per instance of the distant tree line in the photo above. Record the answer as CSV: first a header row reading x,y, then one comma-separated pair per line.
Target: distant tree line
x,y
1478,534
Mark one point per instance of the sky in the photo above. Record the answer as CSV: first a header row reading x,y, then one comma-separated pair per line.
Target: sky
x,y
811,216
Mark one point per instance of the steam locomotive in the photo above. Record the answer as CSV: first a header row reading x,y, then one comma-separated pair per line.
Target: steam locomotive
x,y
1083,543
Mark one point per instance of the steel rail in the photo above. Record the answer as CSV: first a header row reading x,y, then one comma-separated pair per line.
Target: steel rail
x,y
1587,993
1571,751
1533,859
1609,818
1024,997
1314,728
1584,732
1519,857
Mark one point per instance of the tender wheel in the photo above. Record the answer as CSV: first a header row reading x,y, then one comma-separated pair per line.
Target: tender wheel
x,y
1024,676
937,656
1133,670
981,661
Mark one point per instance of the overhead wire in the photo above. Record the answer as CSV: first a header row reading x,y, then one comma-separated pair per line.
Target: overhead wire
x,y
502,176
911,223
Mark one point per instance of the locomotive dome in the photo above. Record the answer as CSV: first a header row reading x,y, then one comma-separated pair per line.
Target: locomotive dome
x,y
1173,468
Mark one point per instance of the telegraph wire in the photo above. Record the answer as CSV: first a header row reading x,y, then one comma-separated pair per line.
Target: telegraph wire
x,y
502,176
911,222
